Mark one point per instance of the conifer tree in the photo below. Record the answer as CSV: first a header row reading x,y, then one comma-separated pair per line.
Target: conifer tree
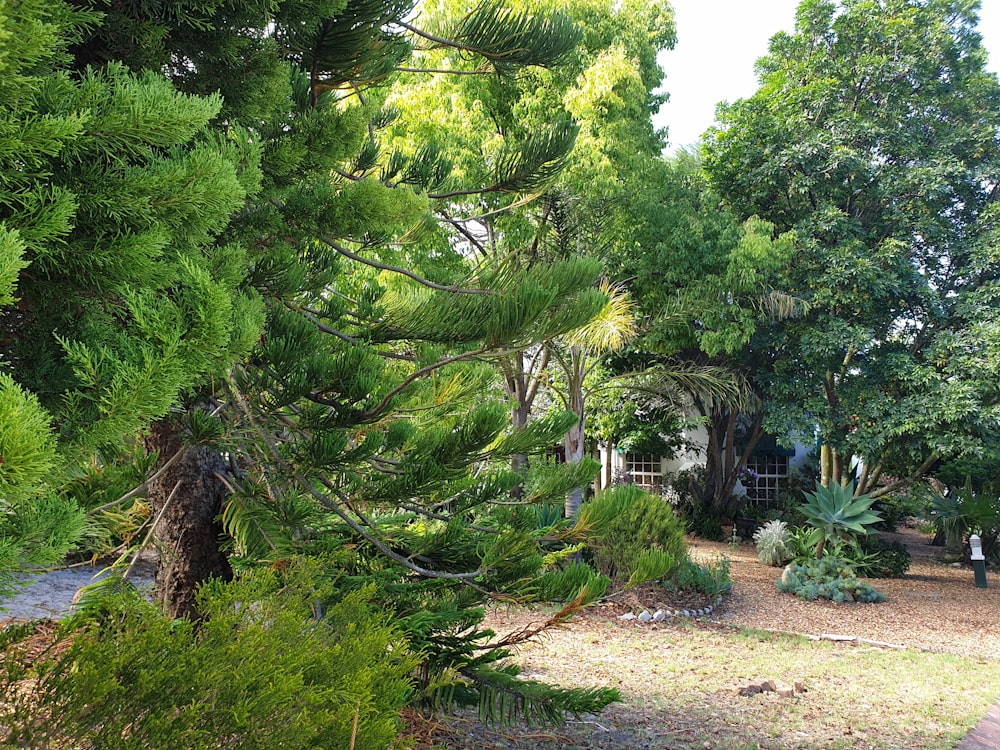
x,y
361,427
116,295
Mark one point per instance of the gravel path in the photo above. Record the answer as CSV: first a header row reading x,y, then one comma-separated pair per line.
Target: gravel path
x,y
49,594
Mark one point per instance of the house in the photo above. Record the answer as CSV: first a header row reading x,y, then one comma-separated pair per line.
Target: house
x,y
769,464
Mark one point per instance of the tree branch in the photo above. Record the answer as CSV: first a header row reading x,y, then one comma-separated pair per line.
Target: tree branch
x,y
402,271
325,501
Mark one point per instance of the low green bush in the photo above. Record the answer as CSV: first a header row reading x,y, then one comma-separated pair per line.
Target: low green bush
x,y
266,669
885,559
712,579
631,535
565,582
828,577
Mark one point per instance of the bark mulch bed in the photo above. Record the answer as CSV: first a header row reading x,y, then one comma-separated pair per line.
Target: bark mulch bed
x,y
935,608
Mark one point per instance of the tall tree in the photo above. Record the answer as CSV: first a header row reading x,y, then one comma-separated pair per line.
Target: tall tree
x,y
357,429
707,282
605,87
116,295
874,135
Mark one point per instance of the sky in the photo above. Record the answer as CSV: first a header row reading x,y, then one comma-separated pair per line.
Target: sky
x,y
718,42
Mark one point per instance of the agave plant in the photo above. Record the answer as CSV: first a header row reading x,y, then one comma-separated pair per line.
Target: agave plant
x,y
837,514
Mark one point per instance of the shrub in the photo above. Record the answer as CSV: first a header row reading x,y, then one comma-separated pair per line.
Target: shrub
x,y
802,544
563,584
263,671
885,559
632,536
774,543
895,509
706,527
966,512
828,577
712,579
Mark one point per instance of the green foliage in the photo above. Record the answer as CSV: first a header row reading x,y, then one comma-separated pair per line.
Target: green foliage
x,y
224,217
889,358
802,543
882,559
506,698
632,536
268,668
33,532
826,578
897,507
965,511
711,579
837,514
563,584
774,543
27,442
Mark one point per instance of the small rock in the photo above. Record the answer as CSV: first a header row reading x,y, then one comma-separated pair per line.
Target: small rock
x,y
626,616
768,686
785,692
686,613
786,575
644,616
750,690
659,616
800,686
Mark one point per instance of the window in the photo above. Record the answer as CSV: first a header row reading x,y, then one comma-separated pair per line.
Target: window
x,y
768,469
644,470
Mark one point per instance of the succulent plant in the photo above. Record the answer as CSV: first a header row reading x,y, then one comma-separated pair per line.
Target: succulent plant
x,y
837,514
773,541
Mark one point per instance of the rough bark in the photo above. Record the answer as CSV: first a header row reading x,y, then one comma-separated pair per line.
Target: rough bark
x,y
722,464
186,499
521,385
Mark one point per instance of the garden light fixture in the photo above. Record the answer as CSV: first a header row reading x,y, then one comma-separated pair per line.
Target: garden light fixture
x,y
978,561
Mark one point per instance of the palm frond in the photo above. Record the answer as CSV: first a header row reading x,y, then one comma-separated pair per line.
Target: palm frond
x,y
612,328
675,381
780,306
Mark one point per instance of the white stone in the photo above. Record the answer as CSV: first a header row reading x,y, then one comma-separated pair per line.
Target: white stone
x,y
659,616
644,616
626,616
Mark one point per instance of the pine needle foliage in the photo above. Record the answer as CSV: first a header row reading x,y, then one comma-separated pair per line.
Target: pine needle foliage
x,y
509,40
218,247
268,668
632,536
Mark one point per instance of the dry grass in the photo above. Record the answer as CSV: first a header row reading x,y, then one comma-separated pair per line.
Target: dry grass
x,y
680,680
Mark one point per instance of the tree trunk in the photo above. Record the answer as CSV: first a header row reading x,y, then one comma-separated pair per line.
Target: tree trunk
x,y
186,499
521,385
574,440
722,465
573,443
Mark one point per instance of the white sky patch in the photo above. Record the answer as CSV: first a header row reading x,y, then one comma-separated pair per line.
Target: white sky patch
x,y
718,42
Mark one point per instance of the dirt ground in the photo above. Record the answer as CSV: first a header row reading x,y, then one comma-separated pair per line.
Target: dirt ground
x,y
936,607
935,610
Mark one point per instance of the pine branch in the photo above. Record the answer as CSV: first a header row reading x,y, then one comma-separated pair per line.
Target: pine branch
x,y
416,375
314,319
325,501
402,271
